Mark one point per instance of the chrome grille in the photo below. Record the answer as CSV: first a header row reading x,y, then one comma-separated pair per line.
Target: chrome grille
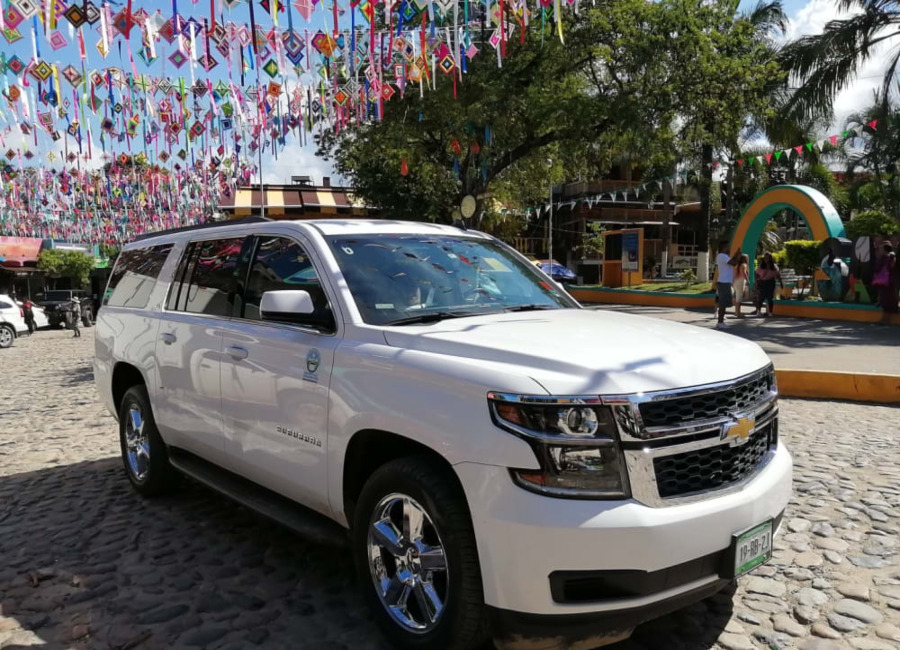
x,y
711,468
678,411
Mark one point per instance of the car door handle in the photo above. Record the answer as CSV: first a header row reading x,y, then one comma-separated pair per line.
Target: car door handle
x,y
237,353
168,338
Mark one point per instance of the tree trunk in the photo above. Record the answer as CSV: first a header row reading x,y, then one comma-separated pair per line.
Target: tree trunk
x,y
705,198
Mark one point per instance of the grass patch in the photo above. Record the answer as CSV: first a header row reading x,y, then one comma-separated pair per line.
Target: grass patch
x,y
674,287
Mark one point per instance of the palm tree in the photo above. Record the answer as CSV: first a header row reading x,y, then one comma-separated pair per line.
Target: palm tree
x,y
878,156
827,63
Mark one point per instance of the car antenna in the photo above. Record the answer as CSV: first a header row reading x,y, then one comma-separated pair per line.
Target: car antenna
x,y
460,223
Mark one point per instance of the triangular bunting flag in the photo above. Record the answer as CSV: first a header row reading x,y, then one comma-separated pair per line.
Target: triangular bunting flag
x,y
810,145
873,124
833,139
799,149
778,155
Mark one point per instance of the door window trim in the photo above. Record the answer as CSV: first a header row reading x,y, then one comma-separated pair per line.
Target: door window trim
x,y
287,326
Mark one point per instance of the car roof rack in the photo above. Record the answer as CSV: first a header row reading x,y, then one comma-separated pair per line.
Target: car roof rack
x,y
203,226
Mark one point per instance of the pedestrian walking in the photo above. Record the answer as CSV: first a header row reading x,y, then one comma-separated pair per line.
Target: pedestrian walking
x,y
741,282
767,274
885,281
75,315
724,279
28,311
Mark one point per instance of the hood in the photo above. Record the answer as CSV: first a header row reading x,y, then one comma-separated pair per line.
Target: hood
x,y
581,351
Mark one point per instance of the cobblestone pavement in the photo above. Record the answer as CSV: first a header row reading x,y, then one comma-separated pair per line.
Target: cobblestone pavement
x,y
86,563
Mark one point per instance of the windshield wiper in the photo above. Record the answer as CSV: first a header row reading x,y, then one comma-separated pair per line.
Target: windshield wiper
x,y
431,317
530,308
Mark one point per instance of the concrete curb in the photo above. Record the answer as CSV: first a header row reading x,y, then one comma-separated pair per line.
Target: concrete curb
x,y
848,386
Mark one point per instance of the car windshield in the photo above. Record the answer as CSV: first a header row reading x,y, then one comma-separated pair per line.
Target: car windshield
x,y
398,279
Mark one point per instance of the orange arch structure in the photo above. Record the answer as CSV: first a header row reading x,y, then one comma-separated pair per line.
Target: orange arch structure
x,y
815,208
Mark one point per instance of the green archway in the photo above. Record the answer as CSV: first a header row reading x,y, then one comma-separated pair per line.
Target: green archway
x,y
813,206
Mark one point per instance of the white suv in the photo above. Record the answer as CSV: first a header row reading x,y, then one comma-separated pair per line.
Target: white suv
x,y
12,321
508,464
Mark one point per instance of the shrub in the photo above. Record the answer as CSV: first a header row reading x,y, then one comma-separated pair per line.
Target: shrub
x,y
780,258
872,224
802,256
688,277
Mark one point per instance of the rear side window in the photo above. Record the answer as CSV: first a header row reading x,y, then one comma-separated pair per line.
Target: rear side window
x,y
207,274
134,276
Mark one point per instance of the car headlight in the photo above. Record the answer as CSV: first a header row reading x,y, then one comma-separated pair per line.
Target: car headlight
x,y
574,439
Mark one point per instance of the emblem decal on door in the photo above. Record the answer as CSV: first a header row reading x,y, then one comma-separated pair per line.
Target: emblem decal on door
x,y
313,359
302,437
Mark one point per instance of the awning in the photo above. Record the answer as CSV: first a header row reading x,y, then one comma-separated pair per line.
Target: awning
x,y
19,251
288,201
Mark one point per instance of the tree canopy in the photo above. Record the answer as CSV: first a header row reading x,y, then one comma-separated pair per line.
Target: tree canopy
x,y
632,80
75,265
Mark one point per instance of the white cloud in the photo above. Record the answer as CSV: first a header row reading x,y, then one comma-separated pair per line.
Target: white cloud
x,y
296,160
811,19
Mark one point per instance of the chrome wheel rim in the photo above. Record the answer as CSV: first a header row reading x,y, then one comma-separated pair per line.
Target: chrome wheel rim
x,y
407,563
137,444
6,337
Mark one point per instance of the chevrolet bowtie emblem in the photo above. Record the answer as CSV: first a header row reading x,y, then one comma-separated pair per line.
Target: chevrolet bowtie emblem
x,y
739,431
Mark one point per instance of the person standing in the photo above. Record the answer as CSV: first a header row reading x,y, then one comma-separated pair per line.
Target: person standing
x,y
75,315
885,280
28,311
766,275
740,282
724,278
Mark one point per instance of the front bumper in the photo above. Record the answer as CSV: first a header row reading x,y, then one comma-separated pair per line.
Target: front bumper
x,y
518,631
524,538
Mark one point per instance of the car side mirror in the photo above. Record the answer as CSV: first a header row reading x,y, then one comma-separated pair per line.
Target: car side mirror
x,y
287,305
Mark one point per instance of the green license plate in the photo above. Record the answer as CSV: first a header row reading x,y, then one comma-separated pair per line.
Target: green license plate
x,y
752,548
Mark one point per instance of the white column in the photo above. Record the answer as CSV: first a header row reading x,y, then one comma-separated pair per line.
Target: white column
x,y
703,267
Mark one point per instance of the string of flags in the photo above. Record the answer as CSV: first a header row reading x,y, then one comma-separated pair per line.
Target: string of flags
x,y
216,89
648,189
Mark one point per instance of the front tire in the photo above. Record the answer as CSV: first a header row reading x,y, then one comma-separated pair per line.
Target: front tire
x,y
143,450
7,336
414,549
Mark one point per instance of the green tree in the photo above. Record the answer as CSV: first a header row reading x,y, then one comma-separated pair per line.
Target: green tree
x,y
876,152
872,223
725,72
571,103
74,265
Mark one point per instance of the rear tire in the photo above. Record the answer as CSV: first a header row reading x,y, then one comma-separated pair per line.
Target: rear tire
x,y
414,549
144,453
7,336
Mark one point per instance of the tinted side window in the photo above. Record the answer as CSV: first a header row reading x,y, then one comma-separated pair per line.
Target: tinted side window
x,y
208,286
134,276
5,305
281,263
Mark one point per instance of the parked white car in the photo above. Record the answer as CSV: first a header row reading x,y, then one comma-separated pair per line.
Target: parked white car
x,y
40,316
502,462
12,321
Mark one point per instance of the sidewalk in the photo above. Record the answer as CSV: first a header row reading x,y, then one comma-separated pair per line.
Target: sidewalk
x,y
800,344
836,360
